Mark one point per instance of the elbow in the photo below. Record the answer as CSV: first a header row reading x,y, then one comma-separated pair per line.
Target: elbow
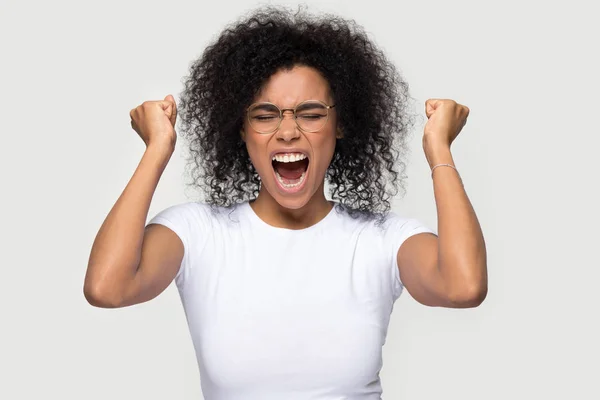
x,y
470,296
469,288
98,296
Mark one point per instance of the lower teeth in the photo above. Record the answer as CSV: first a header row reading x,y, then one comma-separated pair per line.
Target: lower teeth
x,y
290,185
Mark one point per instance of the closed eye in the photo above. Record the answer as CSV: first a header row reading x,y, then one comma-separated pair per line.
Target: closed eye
x,y
265,117
311,116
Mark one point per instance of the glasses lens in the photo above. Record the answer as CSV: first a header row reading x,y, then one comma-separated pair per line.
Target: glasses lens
x,y
311,116
264,117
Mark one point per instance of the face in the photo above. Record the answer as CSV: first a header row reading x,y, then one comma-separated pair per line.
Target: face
x,y
291,162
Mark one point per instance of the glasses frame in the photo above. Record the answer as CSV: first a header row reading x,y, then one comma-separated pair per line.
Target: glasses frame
x,y
293,110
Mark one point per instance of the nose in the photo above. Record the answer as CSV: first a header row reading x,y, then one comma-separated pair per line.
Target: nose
x,y
288,130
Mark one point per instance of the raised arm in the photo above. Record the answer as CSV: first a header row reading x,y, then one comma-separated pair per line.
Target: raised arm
x,y
129,263
449,270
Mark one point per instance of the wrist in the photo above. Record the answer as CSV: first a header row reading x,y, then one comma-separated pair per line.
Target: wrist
x,y
438,154
159,155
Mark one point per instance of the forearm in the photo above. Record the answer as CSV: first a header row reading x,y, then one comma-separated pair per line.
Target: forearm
x,y
116,251
462,253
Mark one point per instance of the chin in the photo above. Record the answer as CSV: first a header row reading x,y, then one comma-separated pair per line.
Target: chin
x,y
292,203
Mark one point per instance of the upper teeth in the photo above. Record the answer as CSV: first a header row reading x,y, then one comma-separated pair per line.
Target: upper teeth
x,y
288,157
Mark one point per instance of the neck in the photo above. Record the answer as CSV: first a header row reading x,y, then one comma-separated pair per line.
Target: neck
x,y
274,214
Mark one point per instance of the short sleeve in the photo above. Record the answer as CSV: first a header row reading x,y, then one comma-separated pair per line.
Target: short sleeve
x,y
184,220
397,230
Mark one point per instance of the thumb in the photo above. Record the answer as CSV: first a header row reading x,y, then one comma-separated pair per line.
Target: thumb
x,y
170,108
430,106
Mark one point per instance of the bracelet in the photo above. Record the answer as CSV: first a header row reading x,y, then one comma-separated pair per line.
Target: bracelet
x,y
444,165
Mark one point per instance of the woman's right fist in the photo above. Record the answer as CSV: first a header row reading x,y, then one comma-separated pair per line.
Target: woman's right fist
x,y
154,121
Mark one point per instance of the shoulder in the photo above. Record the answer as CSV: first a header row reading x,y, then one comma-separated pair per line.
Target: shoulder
x,y
394,221
379,224
397,228
385,231
381,232
179,213
197,215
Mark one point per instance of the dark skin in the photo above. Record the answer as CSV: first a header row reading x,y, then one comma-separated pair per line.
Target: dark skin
x,y
300,210
449,270
131,263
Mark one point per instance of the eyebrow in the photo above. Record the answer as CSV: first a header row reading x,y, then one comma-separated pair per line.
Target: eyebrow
x,y
267,106
310,106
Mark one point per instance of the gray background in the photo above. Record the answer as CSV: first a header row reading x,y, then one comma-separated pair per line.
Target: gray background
x,y
72,70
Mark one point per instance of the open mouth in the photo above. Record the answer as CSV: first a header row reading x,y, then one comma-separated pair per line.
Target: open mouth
x,y
290,170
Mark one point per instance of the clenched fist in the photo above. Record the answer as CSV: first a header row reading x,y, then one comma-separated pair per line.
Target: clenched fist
x,y
154,121
446,118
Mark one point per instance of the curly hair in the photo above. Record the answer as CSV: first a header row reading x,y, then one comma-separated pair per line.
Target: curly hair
x,y
371,101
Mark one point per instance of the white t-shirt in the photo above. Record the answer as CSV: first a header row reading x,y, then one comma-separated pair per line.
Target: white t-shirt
x,y
280,314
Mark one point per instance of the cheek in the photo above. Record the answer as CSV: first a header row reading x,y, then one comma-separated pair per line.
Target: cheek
x,y
325,149
258,155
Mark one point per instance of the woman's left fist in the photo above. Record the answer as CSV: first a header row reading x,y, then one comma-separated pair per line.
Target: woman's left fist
x,y
446,119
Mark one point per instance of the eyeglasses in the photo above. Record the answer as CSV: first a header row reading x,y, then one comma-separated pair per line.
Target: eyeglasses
x,y
310,116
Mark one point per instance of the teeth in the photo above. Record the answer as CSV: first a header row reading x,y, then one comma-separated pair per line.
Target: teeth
x,y
290,185
288,157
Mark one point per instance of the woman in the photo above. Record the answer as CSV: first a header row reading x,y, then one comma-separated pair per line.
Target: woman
x,y
288,294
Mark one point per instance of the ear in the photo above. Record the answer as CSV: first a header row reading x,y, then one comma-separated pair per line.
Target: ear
x,y
243,135
339,134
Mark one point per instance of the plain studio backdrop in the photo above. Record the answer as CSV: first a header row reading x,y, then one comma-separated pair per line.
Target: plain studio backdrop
x,y
72,70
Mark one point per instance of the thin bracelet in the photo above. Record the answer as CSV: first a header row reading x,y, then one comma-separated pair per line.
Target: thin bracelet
x,y
444,165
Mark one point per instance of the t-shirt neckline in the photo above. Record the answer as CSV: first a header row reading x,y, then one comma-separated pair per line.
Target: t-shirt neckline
x,y
319,224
